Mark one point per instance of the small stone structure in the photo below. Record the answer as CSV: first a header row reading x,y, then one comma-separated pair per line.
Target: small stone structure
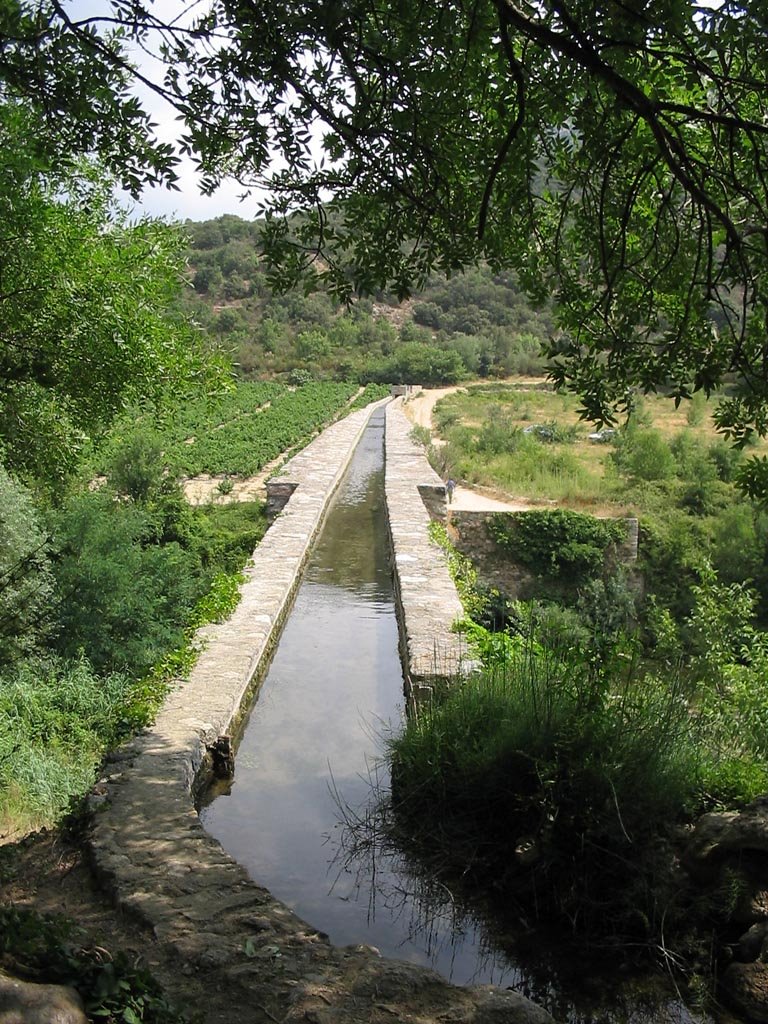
x,y
264,963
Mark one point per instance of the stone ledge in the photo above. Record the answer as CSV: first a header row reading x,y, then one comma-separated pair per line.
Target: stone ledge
x,y
428,604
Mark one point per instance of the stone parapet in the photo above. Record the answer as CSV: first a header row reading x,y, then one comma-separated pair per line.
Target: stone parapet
x,y
427,598
254,959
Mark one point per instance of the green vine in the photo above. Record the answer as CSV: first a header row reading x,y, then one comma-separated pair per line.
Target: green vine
x,y
147,694
476,599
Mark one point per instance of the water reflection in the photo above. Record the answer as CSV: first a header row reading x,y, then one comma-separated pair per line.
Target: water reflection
x,y
473,941
310,747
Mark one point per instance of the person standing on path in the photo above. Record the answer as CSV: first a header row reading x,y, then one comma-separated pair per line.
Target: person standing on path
x,y
450,487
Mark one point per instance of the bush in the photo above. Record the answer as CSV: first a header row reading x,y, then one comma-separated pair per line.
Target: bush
x,y
125,601
224,536
415,362
644,455
26,580
551,759
498,434
557,542
57,719
135,467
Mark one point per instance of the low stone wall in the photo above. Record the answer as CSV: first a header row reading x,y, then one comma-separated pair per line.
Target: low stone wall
x,y
255,960
427,598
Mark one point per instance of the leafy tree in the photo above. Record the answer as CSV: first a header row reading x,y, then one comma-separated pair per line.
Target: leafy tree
x,y
414,363
614,155
84,320
126,599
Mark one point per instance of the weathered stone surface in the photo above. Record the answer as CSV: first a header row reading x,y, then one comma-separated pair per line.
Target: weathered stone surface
x,y
746,986
22,1002
429,604
159,863
721,834
752,942
495,1006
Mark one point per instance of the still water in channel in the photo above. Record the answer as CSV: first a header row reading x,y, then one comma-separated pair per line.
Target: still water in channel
x,y
308,767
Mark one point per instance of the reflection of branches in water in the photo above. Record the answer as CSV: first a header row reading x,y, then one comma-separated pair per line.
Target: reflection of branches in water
x,y
368,846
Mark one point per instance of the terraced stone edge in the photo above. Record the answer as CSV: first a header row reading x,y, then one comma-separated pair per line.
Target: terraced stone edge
x,y
428,603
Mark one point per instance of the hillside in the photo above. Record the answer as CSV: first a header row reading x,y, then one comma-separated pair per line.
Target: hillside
x,y
474,324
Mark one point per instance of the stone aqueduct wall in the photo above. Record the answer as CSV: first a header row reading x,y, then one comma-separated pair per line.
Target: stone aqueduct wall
x,y
162,867
469,533
427,600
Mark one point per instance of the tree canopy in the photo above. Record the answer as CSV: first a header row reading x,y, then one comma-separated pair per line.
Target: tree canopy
x,y
84,324
614,155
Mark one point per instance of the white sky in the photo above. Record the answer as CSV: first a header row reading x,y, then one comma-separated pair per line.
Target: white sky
x,y
188,203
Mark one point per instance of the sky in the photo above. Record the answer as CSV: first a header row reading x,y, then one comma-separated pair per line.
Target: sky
x,y
188,203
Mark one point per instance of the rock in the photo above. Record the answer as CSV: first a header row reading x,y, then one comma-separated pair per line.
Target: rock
x,y
259,924
746,986
22,1002
751,942
223,756
503,1006
753,905
389,979
719,834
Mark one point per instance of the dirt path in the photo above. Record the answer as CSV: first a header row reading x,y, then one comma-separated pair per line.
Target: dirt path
x,y
470,500
419,410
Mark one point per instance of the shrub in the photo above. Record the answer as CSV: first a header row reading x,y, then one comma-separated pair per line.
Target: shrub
x,y
124,602
644,455
498,433
26,580
224,536
697,409
57,719
738,547
135,466
547,752
557,542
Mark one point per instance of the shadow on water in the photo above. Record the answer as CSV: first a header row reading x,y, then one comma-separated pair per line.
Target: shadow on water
x,y
306,814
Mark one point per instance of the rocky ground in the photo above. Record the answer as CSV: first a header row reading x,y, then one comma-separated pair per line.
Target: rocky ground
x,y
49,873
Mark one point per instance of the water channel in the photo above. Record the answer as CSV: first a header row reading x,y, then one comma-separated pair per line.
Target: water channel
x,y
312,745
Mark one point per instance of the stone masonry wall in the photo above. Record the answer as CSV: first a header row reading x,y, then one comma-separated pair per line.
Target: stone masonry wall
x,y
257,960
427,598
468,531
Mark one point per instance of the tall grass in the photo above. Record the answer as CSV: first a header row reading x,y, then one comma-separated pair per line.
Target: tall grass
x,y
557,779
57,719
534,470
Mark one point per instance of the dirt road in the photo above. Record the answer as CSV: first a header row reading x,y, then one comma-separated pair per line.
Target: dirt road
x,y
419,410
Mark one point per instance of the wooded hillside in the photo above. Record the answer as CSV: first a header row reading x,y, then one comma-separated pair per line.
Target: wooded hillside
x,y
474,324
